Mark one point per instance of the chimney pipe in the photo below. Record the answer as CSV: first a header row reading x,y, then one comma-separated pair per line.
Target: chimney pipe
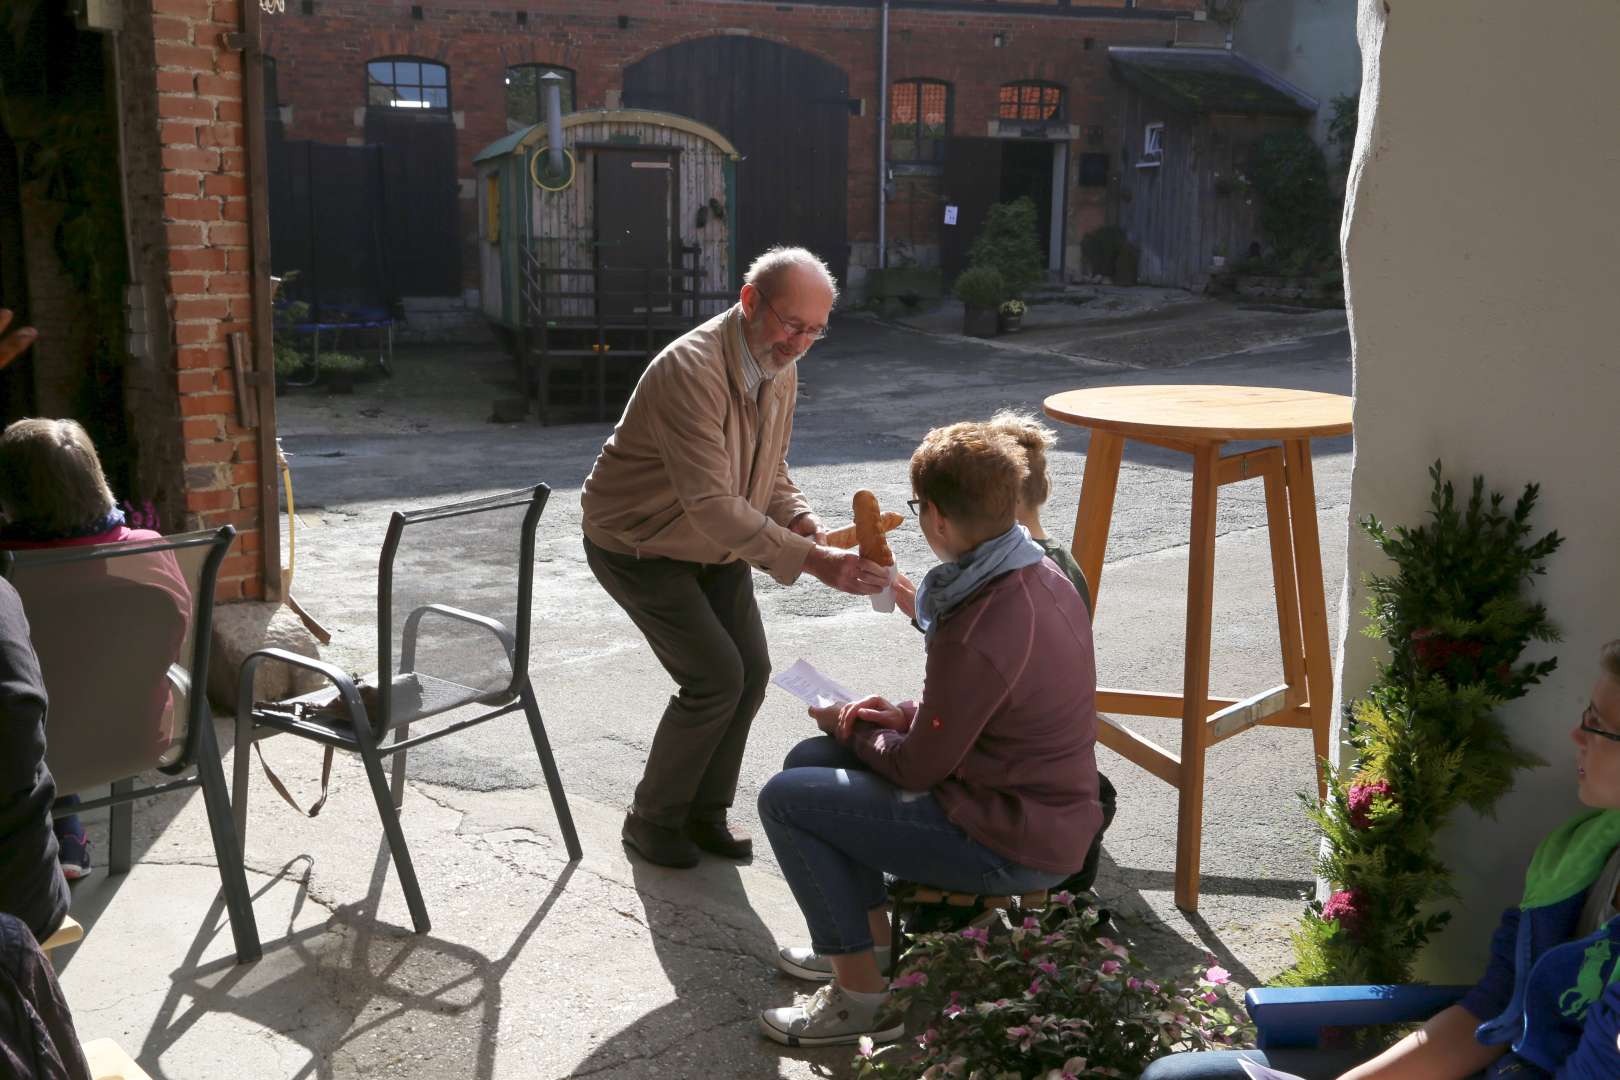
x,y
551,82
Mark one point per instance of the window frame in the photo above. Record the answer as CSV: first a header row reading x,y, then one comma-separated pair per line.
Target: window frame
x,y
1152,145
422,87
570,104
916,160
1059,116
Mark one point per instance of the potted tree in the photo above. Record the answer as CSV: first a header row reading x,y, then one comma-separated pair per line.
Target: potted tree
x,y
981,291
1010,316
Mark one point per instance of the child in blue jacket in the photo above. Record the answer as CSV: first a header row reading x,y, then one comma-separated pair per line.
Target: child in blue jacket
x,y
1549,1002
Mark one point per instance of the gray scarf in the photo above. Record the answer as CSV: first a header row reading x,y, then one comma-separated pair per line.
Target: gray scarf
x,y
948,585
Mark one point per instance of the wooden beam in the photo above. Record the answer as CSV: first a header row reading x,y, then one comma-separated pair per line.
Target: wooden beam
x,y
1153,703
1249,465
1245,714
1138,750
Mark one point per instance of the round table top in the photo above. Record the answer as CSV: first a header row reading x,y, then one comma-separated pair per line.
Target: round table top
x,y
1204,413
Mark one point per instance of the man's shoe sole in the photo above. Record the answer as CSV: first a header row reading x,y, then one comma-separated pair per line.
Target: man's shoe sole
x,y
682,863
882,1035
739,852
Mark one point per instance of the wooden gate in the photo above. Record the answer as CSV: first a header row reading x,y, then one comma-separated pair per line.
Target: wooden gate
x,y
634,219
422,216
972,184
787,112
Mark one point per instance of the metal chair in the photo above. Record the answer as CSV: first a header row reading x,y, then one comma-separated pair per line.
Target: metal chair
x,y
123,634
428,682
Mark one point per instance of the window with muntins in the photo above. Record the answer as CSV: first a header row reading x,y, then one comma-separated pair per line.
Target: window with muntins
x,y
1031,100
919,120
401,82
525,94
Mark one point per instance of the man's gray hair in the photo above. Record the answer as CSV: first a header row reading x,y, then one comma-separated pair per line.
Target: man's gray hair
x,y
51,479
770,268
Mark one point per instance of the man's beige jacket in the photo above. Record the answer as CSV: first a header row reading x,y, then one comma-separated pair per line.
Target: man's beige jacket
x,y
696,469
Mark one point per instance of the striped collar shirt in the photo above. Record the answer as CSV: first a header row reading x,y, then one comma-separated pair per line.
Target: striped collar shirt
x,y
754,376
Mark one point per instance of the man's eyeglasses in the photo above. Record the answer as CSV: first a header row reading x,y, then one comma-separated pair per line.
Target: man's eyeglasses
x,y
1588,719
792,326
915,506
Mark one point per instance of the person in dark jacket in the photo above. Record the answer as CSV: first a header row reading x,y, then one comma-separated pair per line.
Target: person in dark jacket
x,y
988,785
37,1041
1549,1002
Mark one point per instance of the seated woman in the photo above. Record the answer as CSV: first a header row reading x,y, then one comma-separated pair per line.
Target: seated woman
x,y
53,493
989,785
1549,1002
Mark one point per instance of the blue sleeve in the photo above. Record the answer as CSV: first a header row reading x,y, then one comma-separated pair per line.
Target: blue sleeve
x,y
1597,1055
1495,988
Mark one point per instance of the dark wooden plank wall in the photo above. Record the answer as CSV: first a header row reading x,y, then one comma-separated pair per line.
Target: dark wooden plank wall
x,y
1174,215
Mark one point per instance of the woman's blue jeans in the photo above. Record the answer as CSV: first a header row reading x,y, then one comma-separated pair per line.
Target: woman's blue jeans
x,y
837,828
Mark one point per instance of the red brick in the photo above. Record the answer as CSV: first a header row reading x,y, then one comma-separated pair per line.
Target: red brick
x,y
220,134
185,107
227,233
168,28
187,310
184,57
184,234
238,566
181,183
219,86
227,60
241,519
178,209
200,429
176,82
247,473
233,160
228,12
228,284
195,333
201,259
248,542
230,590
190,9
224,184
186,158
247,449
215,453
193,357
229,111
210,500
248,496
188,284
207,404
237,259
198,382
234,210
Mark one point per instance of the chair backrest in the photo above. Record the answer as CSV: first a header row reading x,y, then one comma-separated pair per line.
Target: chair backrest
x,y
439,566
122,633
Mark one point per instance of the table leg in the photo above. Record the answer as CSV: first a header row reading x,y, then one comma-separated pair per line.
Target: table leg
x,y
1195,677
1096,510
1285,583
1312,601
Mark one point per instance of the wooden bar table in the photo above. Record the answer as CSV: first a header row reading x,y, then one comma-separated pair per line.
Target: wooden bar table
x,y
1199,421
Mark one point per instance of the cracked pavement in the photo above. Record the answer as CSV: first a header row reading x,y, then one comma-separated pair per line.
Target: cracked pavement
x,y
612,968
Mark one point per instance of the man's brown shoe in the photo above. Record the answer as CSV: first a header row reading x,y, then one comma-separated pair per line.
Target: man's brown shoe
x,y
659,844
719,838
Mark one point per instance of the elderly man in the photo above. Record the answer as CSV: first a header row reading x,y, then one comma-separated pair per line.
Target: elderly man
x,y
690,491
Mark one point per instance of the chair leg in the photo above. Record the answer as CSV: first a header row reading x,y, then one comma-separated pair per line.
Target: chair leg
x,y
120,830
396,837
897,936
401,733
548,765
227,847
239,778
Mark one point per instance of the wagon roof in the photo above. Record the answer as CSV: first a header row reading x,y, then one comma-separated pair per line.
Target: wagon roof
x,y
1209,81
536,135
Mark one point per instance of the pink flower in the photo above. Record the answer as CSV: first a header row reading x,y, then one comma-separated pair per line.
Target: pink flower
x,y
1210,997
909,979
1361,799
1030,923
1034,987
1133,983
1345,907
1109,967
976,933
1048,968
1218,975
865,1046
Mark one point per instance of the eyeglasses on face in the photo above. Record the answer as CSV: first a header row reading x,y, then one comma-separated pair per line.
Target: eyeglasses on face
x,y
915,506
1589,720
792,326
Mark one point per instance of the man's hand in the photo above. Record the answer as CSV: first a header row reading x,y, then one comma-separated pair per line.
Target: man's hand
x,y
846,571
15,343
807,524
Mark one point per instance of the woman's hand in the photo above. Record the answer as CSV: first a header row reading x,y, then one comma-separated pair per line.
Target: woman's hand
x,y
905,596
839,720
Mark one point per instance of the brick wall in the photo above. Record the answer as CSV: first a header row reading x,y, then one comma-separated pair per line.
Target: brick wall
x,y
198,88
320,63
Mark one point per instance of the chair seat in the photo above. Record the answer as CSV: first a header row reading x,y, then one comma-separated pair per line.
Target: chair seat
x,y
66,934
412,696
909,892
108,1061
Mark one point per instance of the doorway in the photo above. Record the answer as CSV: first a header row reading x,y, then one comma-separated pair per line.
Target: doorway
x,y
634,190
1026,171
982,171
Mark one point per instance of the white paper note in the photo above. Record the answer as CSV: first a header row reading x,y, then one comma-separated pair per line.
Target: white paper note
x,y
950,215
811,686
1262,1072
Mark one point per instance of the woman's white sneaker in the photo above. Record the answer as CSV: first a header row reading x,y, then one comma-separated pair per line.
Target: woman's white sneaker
x,y
829,1018
803,963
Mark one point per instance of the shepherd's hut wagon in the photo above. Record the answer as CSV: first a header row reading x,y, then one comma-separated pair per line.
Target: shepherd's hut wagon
x,y
592,264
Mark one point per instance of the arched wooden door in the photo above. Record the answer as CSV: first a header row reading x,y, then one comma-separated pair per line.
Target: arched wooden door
x,y
787,112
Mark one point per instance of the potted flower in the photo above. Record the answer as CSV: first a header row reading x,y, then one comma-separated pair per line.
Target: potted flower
x,y
1218,260
342,371
981,290
1011,316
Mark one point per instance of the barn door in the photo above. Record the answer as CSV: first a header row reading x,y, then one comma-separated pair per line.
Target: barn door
x,y
634,201
422,209
787,112
972,184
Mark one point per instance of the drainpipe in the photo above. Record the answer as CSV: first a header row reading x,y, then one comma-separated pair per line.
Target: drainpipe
x,y
883,141
552,82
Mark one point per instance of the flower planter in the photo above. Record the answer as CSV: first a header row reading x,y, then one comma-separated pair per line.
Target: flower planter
x,y
979,322
1009,324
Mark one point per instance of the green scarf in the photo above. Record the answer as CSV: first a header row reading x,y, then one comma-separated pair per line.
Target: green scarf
x,y
1571,858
